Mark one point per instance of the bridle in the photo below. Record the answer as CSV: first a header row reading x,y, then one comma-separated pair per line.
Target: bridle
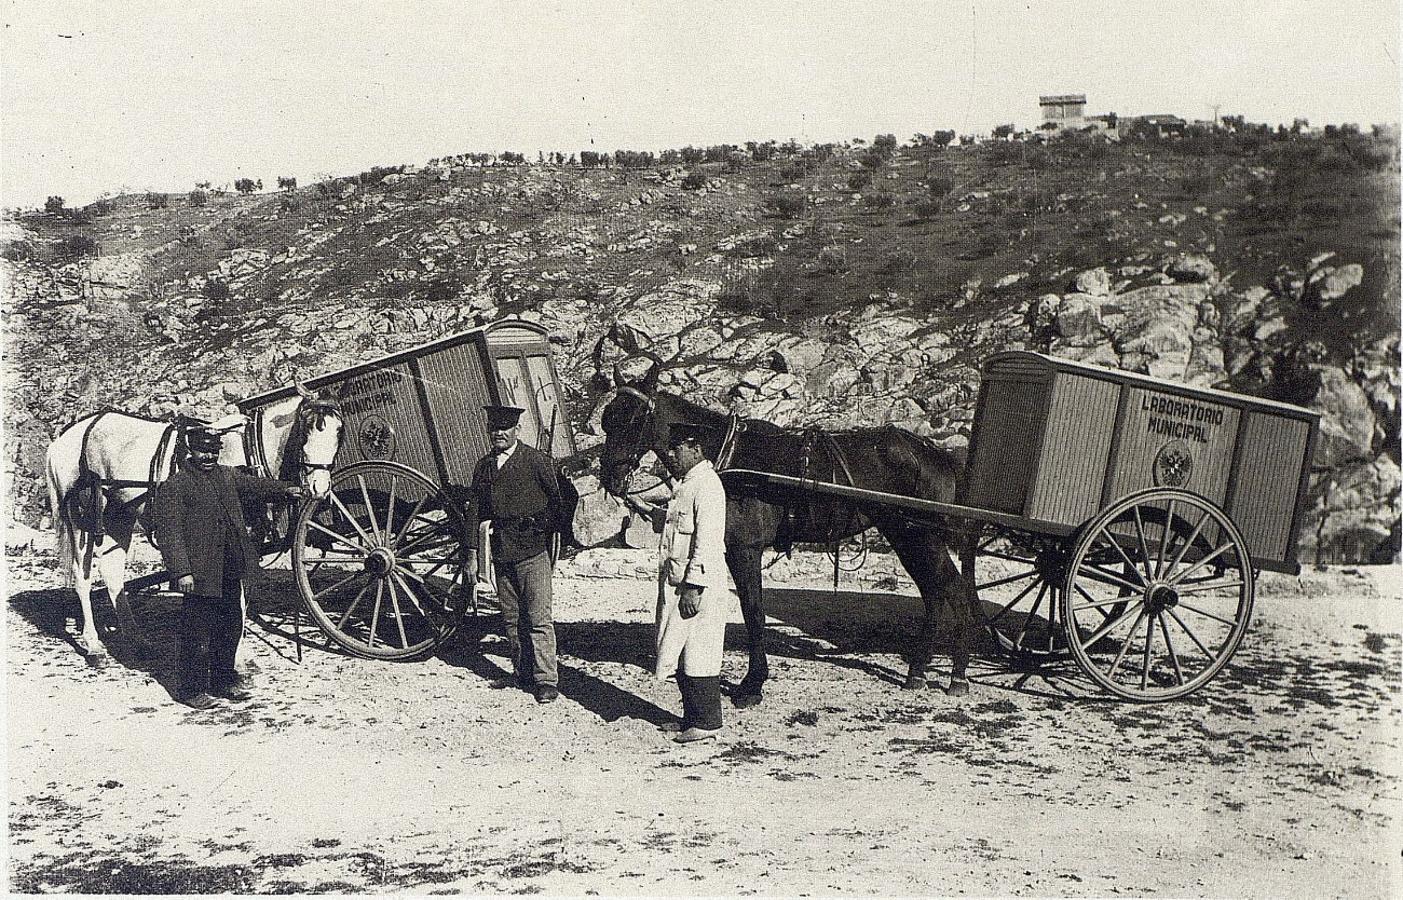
x,y
648,409
318,409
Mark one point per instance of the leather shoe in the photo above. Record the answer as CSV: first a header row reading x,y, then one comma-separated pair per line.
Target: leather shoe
x,y
198,701
694,734
233,692
546,694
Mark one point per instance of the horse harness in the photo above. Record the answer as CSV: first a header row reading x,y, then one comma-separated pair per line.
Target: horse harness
x,y
100,490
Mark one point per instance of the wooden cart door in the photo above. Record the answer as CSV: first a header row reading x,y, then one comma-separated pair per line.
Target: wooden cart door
x,y
526,378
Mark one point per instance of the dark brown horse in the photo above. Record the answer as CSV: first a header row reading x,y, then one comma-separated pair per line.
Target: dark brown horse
x,y
760,515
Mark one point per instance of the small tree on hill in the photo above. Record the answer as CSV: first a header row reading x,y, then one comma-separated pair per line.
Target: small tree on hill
x,y
942,138
1003,132
54,205
244,185
287,183
197,197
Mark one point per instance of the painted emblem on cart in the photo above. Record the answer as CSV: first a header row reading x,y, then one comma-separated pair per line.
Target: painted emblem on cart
x,y
377,438
1173,464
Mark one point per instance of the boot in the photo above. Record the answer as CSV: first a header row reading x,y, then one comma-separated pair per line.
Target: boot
x,y
689,705
707,699
126,621
705,720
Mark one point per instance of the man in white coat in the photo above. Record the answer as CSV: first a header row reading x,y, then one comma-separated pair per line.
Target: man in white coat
x,y
693,592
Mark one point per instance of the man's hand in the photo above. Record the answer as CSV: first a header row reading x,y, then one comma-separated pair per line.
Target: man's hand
x,y
295,491
689,602
185,584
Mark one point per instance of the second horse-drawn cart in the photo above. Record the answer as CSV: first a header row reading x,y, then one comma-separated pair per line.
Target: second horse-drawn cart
x,y
380,560
1115,517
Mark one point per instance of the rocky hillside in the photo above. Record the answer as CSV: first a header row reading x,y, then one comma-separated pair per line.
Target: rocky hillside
x,y
834,285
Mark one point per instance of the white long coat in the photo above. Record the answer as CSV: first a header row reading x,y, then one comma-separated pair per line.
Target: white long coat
x,y
693,551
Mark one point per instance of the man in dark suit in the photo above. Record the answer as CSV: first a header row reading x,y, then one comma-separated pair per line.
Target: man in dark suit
x,y
207,551
517,488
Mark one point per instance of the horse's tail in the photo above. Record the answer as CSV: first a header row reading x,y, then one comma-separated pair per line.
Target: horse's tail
x,y
60,507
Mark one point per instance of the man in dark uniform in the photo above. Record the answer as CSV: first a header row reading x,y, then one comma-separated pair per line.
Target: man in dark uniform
x,y
206,549
516,487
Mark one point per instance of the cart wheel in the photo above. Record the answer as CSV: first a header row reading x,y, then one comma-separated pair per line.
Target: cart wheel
x,y
1180,573
1019,585
379,561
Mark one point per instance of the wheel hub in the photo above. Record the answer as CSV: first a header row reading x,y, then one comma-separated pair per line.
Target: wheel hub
x,y
1160,596
380,562
1052,565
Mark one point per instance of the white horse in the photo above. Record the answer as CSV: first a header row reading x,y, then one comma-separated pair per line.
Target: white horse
x,y
101,471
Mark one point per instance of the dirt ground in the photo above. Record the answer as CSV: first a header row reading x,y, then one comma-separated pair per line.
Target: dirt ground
x,y
1280,779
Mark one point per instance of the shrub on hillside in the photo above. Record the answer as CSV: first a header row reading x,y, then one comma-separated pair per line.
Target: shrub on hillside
x,y
939,186
878,200
859,180
290,203
216,290
761,152
157,200
874,158
287,183
799,168
833,259
19,251
100,207
76,247
54,205
884,143
197,197
789,206
694,181
928,209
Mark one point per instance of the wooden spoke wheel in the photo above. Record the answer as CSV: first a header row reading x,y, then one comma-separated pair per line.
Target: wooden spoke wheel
x,y
1019,584
379,561
1176,575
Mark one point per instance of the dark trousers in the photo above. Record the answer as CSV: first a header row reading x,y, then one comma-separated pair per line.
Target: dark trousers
x,y
524,594
210,628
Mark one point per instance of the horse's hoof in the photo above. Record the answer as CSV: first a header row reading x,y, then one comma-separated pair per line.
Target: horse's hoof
x,y
958,688
745,701
913,683
95,660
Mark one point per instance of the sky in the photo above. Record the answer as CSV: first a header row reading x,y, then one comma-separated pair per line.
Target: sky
x,y
108,97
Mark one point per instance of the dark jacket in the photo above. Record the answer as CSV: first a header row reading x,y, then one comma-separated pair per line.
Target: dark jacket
x,y
522,499
198,513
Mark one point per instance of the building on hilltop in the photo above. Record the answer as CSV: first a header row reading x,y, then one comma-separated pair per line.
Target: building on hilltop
x,y
1063,110
1164,124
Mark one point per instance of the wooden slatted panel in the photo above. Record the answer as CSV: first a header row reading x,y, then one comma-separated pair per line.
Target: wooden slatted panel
x,y
1264,495
555,423
1173,428
383,418
1076,449
515,387
1006,441
457,390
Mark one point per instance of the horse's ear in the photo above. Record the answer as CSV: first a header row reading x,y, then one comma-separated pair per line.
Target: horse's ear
x,y
303,392
650,381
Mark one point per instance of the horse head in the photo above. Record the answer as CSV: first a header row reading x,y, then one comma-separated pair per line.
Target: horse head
x,y
631,429
315,439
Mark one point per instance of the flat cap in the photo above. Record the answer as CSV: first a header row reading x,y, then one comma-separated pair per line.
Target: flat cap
x,y
502,416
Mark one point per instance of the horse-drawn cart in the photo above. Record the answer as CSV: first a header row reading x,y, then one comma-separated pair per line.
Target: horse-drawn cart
x,y
379,561
1115,517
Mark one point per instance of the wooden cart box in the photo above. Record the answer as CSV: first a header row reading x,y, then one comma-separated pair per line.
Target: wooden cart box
x,y
1055,441
423,406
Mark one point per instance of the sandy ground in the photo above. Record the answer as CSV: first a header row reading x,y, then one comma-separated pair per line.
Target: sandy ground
x,y
1280,779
